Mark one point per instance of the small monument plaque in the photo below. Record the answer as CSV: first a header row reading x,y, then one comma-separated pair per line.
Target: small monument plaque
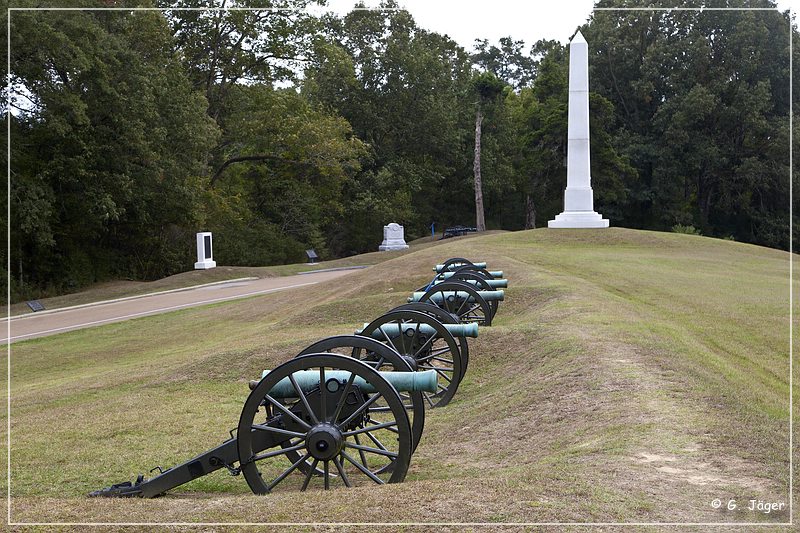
x,y
312,256
35,305
393,238
205,252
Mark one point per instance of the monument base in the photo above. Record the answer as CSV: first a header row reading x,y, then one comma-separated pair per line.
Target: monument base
x,y
203,265
578,219
388,247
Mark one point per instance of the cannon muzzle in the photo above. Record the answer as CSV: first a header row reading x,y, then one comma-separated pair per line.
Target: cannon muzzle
x,y
394,330
307,380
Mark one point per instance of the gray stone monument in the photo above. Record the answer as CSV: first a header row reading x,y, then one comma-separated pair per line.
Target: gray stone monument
x,y
578,197
393,238
205,252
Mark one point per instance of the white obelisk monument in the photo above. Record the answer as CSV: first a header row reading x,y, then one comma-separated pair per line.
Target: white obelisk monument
x,y
578,197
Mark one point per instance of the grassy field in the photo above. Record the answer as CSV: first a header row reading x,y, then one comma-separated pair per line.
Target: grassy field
x,y
630,376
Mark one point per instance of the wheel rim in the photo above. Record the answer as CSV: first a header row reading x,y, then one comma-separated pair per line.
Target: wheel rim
x,y
439,352
327,422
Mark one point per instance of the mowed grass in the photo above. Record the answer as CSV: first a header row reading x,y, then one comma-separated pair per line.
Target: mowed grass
x,y
629,376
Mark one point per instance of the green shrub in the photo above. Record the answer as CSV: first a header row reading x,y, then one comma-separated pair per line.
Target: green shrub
x,y
688,230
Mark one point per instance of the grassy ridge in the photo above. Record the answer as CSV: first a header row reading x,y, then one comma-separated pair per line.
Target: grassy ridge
x,y
630,376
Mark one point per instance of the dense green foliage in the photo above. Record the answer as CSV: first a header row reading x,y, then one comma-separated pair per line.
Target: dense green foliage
x,y
279,131
108,147
702,104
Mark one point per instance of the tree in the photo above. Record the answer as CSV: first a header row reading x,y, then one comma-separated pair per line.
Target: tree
x,y
402,89
229,46
487,88
287,165
507,62
701,101
108,140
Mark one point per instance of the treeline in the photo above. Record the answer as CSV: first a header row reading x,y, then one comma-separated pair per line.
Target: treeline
x,y
280,131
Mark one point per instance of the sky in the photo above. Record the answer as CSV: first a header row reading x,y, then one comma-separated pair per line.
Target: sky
x,y
526,20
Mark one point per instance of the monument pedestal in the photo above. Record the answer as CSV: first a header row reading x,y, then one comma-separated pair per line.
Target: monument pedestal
x,y
393,238
578,219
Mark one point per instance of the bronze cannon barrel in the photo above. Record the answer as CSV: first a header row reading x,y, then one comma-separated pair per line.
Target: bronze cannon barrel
x,y
308,380
437,297
394,330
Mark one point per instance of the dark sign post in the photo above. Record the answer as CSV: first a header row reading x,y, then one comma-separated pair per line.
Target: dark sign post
x,y
312,256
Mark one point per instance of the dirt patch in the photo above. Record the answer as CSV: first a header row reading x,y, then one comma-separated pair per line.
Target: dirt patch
x,y
698,473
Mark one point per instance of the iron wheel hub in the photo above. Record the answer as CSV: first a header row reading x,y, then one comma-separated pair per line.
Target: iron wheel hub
x,y
324,441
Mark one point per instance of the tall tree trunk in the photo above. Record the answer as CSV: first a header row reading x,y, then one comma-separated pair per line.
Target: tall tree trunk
x,y
480,223
530,212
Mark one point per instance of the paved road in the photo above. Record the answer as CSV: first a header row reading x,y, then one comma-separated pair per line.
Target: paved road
x,y
39,325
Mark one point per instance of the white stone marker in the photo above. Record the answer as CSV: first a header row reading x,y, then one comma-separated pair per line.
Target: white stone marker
x,y
205,254
393,238
578,196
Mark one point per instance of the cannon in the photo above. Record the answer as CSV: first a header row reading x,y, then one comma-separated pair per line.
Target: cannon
x,y
462,300
396,329
383,358
445,318
474,278
427,345
309,427
488,274
476,267
309,379
454,263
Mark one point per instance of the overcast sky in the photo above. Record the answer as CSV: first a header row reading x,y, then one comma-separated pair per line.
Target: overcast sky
x,y
527,20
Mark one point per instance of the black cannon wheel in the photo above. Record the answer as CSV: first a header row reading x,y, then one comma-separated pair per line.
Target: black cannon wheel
x,y
445,318
455,261
438,351
380,357
481,283
327,434
478,310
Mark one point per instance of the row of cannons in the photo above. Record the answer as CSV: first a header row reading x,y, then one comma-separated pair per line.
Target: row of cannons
x,y
350,409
